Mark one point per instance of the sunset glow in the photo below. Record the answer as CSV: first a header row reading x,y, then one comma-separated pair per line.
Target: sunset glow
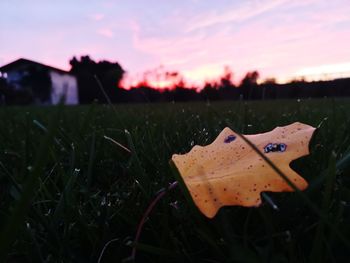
x,y
279,38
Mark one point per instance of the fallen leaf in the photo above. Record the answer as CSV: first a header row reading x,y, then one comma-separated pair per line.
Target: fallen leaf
x,y
229,172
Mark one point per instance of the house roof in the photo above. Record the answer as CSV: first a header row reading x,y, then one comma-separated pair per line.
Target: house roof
x,y
26,62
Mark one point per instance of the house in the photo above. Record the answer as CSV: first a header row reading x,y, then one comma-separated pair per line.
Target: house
x,y
45,85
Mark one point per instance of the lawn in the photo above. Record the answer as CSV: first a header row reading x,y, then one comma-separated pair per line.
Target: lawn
x,y
76,181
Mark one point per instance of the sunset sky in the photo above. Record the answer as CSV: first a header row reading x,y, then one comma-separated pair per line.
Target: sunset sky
x,y
198,38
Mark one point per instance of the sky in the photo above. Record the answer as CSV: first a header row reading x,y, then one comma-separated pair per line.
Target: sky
x,y
283,39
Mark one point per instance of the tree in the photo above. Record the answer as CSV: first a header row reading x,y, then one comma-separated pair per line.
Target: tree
x,y
89,72
248,83
210,92
181,93
227,90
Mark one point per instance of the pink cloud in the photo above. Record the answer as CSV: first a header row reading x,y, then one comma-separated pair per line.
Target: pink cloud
x,y
106,32
97,17
277,50
246,10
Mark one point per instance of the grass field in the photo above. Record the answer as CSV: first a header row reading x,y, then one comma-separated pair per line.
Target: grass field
x,y
69,194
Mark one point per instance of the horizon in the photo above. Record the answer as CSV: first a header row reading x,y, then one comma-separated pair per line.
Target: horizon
x,y
280,39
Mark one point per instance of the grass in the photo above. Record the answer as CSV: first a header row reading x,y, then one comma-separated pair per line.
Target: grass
x,y
75,182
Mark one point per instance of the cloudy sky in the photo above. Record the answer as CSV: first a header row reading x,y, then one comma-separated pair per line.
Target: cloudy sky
x,y
279,38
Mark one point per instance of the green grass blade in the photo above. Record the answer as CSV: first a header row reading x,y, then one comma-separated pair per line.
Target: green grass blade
x,y
317,251
66,197
21,207
91,161
140,174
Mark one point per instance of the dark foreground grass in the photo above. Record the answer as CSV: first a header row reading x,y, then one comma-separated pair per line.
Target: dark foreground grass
x,y
68,192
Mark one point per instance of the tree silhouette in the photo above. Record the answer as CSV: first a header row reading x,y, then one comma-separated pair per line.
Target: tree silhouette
x,y
143,93
210,92
248,84
181,93
108,73
227,90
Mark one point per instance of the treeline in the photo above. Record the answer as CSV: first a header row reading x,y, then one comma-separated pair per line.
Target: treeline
x,y
251,91
95,79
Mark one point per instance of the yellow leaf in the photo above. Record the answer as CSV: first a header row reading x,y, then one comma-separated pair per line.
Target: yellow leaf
x,y
229,172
